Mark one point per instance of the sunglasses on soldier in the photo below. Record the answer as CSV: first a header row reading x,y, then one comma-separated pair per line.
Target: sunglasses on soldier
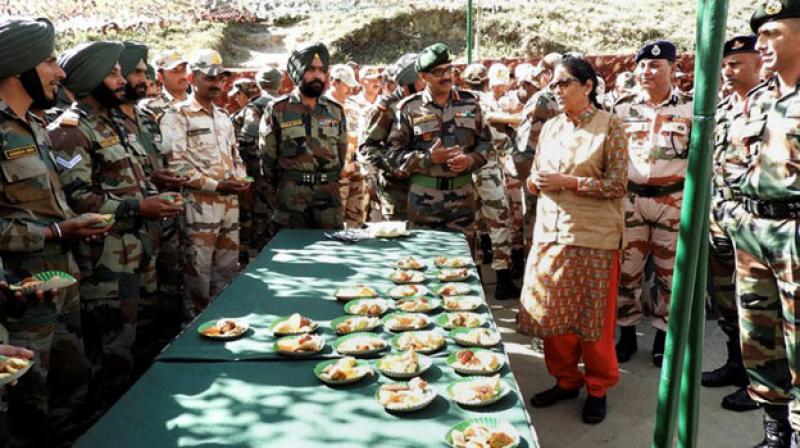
x,y
441,71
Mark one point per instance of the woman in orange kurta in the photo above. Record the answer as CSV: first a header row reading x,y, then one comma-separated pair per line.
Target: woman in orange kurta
x,y
572,275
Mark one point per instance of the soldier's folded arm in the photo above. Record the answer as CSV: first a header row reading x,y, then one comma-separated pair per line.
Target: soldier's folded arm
x,y
173,130
73,151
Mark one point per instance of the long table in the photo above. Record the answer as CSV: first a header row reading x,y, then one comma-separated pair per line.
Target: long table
x,y
202,392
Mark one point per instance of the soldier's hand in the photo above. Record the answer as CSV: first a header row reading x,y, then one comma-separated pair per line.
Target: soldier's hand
x,y
157,207
460,163
168,179
531,184
87,226
232,186
440,154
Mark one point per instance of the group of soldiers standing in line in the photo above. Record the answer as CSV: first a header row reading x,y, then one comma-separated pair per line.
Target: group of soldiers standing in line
x,y
192,191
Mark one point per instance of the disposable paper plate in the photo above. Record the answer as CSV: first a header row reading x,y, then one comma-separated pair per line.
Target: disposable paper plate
x,y
361,365
475,320
432,305
351,307
453,358
405,291
303,354
49,280
453,275
458,335
314,325
462,303
397,340
422,319
242,329
339,320
429,396
489,422
424,363
416,277
372,336
504,390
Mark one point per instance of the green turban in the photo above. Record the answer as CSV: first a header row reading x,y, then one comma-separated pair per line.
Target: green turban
x,y
406,71
24,44
87,64
131,55
435,55
301,59
151,72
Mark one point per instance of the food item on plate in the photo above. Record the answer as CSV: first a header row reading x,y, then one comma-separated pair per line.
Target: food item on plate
x,y
368,307
361,344
403,276
476,390
454,289
357,323
420,341
395,396
408,291
477,360
225,328
357,291
296,323
406,362
409,263
461,319
307,343
10,366
461,303
478,336
416,305
452,262
481,436
405,321
453,275
345,369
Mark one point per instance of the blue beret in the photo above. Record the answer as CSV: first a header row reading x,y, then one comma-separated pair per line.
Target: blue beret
x,y
660,49
739,44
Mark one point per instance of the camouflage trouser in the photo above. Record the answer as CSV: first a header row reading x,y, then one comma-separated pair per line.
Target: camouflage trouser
x,y
394,198
120,311
262,215
374,205
48,406
169,270
354,194
722,265
651,229
303,206
430,208
494,210
767,264
515,203
211,250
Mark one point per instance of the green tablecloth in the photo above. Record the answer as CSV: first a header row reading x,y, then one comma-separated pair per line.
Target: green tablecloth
x,y
281,404
299,272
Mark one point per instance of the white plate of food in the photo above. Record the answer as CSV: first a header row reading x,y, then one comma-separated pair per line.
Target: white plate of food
x,y
359,344
300,345
409,262
420,304
453,262
294,324
224,328
355,292
476,361
404,276
405,321
342,371
453,274
368,307
483,432
425,342
454,289
465,319
475,337
478,391
404,365
351,324
403,291
461,303
406,397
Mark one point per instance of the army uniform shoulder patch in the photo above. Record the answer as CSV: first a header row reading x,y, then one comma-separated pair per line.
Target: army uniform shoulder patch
x,y
19,152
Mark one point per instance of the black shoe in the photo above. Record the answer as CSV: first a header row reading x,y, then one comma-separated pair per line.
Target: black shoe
x,y
739,401
486,249
552,396
506,289
626,346
594,410
517,263
658,348
732,373
777,434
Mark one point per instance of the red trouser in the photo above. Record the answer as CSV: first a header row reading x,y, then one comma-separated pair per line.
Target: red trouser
x,y
562,353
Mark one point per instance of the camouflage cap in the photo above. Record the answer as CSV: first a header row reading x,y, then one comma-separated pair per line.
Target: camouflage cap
x,y
88,64
244,85
207,62
301,59
432,56
660,49
405,69
740,44
24,44
499,75
169,59
770,10
345,74
269,78
369,72
132,53
475,74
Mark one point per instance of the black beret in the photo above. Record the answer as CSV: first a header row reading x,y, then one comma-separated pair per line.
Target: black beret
x,y
660,49
769,10
740,44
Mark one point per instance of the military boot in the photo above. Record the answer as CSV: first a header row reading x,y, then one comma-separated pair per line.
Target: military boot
x,y
626,346
777,434
517,263
731,373
506,289
486,249
739,401
658,347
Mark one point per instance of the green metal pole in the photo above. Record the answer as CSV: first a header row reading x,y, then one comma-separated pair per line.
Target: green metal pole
x,y
469,32
689,413
711,20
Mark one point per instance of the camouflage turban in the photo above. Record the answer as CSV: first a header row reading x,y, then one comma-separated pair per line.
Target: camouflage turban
x,y
435,55
406,71
24,44
300,60
131,55
87,64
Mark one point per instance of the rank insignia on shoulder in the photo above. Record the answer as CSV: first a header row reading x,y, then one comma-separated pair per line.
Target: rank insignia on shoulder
x,y
22,151
111,141
68,164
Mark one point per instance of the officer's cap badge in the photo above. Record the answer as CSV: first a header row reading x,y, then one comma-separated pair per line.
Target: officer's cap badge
x,y
655,51
773,7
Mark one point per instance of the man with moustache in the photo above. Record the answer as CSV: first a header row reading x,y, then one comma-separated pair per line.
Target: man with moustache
x,y
200,140
303,139
101,173
741,65
440,138
765,238
36,231
172,74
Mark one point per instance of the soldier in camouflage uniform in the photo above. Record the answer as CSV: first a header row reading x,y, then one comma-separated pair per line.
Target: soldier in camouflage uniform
x,y
303,139
658,123
765,238
200,141
374,149
101,173
740,67
172,74
36,226
440,138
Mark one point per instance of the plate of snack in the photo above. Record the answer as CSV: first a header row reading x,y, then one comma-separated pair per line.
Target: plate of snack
x,y
461,303
464,319
482,432
406,397
294,324
409,262
368,307
223,328
453,274
403,291
478,391
475,337
420,304
402,276
355,292
299,345
359,344
476,361
44,281
452,262
12,367
342,371
404,365
105,220
351,324
388,229
454,289
425,342
405,321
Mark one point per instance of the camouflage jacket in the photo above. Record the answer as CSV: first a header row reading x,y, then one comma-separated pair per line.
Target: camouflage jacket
x,y
160,104
32,197
99,169
729,163
771,136
373,144
421,122
143,136
658,137
541,107
294,138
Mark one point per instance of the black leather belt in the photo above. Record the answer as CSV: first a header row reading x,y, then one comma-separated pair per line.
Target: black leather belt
x,y
650,191
309,177
772,209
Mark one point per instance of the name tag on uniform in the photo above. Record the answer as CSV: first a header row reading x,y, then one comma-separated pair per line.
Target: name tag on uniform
x,y
22,151
196,132
291,124
423,119
111,141
675,127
